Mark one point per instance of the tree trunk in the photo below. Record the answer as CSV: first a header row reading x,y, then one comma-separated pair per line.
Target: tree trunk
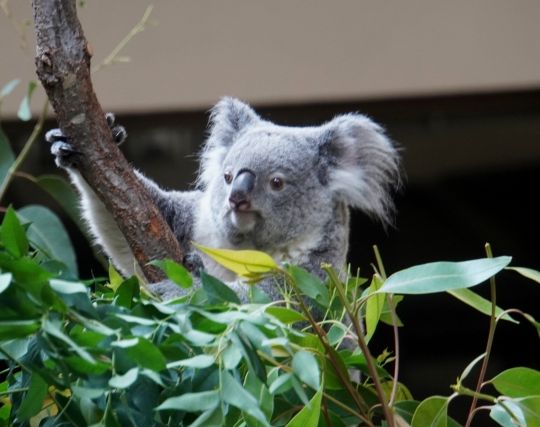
x,y
63,66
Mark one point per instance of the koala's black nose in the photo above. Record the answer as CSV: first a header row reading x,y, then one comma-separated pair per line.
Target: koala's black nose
x,y
242,185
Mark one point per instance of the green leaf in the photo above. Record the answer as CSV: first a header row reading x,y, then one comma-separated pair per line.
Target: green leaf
x,y
374,306
531,409
306,368
234,394
217,291
115,279
192,402
529,273
231,356
6,156
285,315
5,281
310,285
8,88
47,234
13,235
470,366
431,412
125,380
53,328
174,271
65,195
199,362
11,329
501,414
281,384
24,112
145,354
443,276
34,398
518,382
128,290
310,414
68,288
245,263
479,303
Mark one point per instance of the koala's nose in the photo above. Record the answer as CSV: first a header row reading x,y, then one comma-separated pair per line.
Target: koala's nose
x,y
242,185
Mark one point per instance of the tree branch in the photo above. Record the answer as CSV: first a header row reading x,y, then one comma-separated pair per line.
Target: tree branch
x,y
63,67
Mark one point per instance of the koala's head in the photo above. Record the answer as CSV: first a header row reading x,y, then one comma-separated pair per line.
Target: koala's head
x,y
270,185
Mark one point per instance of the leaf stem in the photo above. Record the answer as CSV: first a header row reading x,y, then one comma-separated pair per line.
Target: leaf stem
x,y
25,150
489,344
364,348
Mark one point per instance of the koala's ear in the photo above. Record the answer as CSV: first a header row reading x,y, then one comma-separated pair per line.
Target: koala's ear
x,y
227,118
363,164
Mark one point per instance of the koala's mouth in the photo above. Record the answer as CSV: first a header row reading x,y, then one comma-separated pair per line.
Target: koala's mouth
x,y
243,220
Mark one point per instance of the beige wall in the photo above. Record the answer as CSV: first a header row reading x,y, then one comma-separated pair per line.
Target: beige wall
x,y
281,51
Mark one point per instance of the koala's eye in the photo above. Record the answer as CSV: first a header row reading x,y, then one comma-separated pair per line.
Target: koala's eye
x,y
277,183
228,177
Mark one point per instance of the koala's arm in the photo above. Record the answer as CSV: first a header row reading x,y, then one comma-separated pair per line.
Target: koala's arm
x,y
176,207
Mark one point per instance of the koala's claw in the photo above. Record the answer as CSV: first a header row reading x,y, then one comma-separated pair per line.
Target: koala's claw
x,y
119,132
65,153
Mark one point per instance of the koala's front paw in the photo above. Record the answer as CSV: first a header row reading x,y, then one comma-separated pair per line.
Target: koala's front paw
x,y
119,132
66,155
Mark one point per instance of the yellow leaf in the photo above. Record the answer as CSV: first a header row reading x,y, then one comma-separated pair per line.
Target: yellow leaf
x,y
115,279
245,263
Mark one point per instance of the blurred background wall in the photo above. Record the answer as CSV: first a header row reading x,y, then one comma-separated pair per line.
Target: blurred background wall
x,y
456,84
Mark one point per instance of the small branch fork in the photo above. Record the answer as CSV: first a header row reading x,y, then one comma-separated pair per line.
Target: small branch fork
x,y
63,67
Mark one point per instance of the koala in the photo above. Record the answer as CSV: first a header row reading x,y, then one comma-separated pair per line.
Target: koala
x,y
278,189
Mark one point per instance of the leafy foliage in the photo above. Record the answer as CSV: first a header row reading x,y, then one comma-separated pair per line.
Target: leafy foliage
x,y
100,354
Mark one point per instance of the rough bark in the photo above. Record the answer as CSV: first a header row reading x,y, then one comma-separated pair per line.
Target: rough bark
x,y
63,67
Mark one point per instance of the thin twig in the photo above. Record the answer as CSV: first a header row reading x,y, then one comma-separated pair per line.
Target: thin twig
x,y
137,28
38,127
489,344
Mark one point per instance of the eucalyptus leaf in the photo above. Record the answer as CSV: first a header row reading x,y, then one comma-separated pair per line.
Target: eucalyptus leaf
x,y
518,382
174,271
234,394
33,400
13,235
47,233
443,276
65,195
245,263
305,366
200,361
374,306
7,158
5,281
125,380
11,329
310,414
286,315
431,412
505,413
192,402
529,273
24,112
217,291
479,303
310,285
8,88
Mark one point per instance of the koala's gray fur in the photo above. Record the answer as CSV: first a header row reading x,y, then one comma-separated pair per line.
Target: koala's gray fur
x,y
324,169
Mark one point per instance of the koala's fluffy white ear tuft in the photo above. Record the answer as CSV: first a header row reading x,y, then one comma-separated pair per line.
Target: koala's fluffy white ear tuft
x,y
364,165
227,118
